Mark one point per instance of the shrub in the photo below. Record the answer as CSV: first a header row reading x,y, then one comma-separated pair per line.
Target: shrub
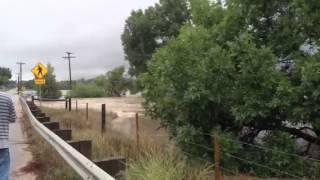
x,y
87,90
165,166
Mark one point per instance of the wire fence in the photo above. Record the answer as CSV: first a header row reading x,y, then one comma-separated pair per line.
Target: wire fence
x,y
308,164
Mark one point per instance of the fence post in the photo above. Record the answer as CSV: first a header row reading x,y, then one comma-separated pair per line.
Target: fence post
x,y
70,103
137,131
66,103
103,118
76,105
87,111
217,171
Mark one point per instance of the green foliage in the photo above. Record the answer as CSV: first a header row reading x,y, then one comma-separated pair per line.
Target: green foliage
x,y
112,84
240,68
164,166
5,75
29,85
64,85
87,90
133,85
115,84
50,89
147,30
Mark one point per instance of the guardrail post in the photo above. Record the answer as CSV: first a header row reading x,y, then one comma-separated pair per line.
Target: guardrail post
x,y
103,118
113,166
84,168
65,134
84,147
39,114
52,125
43,119
217,171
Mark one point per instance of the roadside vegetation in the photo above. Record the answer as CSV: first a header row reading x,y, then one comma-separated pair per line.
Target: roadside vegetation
x,y
244,71
50,89
114,83
47,163
5,75
153,160
247,71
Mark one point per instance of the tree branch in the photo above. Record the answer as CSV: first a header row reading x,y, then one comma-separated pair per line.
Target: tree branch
x,y
300,134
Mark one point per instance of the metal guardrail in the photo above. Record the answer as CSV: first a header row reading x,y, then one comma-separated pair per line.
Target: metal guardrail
x,y
48,100
83,166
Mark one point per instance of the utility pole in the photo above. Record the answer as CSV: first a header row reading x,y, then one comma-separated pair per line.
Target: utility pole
x,y
69,57
20,79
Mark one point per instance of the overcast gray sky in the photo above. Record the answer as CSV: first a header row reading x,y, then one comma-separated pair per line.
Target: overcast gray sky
x,y
42,30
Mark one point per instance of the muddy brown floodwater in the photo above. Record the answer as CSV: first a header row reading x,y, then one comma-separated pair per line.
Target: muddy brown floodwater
x,y
124,107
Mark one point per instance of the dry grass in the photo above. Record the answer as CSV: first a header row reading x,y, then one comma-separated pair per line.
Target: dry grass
x,y
47,163
111,143
156,157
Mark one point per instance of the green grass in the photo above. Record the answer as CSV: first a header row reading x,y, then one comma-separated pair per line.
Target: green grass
x,y
167,166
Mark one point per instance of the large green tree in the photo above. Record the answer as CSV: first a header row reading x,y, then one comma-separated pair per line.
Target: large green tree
x,y
5,75
147,30
243,67
114,82
50,89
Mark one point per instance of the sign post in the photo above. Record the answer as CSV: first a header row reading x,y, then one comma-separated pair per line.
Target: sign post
x,y
39,71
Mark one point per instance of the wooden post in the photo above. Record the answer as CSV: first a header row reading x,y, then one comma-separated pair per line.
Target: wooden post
x,y
103,118
65,134
137,131
87,111
76,105
83,146
217,171
70,103
66,103
52,125
114,166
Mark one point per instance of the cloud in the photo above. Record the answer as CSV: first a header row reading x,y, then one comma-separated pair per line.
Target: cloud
x,y
42,30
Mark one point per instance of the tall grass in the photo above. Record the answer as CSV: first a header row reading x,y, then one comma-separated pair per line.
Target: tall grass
x,y
165,166
47,163
151,161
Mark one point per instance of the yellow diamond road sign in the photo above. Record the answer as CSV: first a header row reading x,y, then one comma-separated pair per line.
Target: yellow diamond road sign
x,y
40,81
39,71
